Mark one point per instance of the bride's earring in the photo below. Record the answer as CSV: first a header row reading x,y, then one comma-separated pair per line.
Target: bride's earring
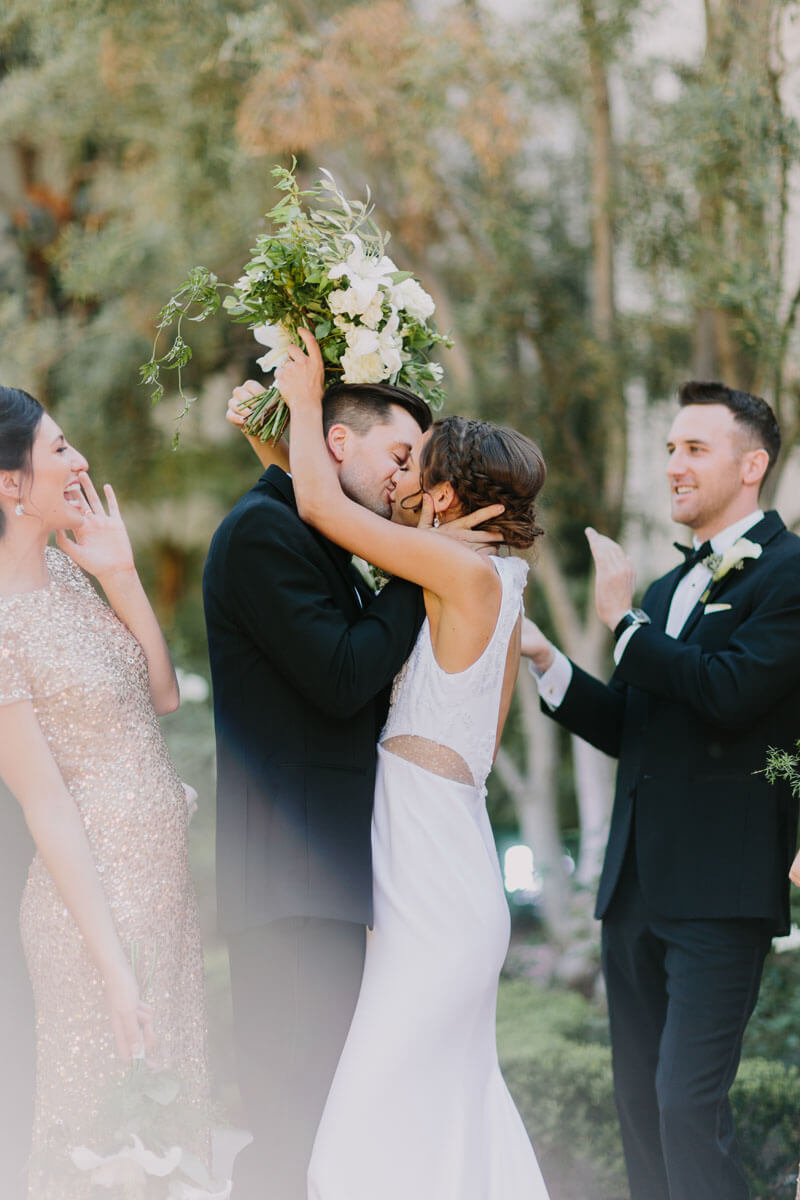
x,y
19,510
436,521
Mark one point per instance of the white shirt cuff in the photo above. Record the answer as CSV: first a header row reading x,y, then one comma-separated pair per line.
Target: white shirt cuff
x,y
553,682
624,638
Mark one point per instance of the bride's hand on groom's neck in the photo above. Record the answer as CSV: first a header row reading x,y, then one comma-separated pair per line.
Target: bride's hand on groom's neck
x,y
463,528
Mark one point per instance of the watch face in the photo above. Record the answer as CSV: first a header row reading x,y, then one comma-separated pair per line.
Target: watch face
x,y
640,615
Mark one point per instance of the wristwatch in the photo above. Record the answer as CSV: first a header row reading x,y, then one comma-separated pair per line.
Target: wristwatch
x,y
634,616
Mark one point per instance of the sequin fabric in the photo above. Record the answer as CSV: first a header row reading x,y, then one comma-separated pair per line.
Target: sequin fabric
x,y
86,675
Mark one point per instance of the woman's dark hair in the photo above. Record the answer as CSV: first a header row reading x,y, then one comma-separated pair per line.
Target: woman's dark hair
x,y
20,415
751,412
487,464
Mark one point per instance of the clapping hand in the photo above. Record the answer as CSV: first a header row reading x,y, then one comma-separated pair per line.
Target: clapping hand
x,y
101,544
614,579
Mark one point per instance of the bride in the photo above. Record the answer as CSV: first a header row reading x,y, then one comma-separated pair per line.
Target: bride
x,y
418,1106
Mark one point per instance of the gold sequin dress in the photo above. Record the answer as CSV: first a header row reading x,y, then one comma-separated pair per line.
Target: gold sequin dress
x,y
63,648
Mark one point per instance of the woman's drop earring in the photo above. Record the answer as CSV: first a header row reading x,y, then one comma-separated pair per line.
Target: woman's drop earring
x,y
436,521
19,510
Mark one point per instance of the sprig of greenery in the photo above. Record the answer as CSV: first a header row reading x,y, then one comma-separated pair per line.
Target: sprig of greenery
x,y
785,766
195,300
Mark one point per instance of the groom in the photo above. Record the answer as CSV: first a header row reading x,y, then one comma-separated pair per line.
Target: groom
x,y
694,883
302,655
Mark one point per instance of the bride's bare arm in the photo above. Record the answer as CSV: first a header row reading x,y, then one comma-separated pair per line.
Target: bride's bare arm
x,y
28,768
443,566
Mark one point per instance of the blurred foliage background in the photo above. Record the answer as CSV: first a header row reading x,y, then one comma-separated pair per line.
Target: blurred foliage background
x,y
601,197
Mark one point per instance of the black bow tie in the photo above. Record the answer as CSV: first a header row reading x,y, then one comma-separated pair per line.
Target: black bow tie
x,y
693,556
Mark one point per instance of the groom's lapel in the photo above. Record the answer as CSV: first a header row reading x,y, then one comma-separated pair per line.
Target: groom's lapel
x,y
277,479
762,533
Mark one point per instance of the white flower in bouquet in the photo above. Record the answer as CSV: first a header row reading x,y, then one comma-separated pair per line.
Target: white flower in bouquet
x,y
126,1166
362,361
279,339
390,346
365,272
322,268
413,299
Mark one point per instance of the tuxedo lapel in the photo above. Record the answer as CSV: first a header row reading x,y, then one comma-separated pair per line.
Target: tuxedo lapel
x,y
661,595
762,533
275,479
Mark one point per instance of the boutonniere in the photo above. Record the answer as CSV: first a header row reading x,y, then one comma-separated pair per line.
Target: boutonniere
x,y
374,578
734,556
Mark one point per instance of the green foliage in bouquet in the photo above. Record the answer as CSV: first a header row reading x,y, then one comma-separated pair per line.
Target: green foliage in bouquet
x,y
322,266
781,764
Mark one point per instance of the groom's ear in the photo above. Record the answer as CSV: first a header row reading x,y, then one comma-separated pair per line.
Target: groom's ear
x,y
337,440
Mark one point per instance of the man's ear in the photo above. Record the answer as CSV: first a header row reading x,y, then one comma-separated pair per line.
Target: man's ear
x,y
754,466
337,440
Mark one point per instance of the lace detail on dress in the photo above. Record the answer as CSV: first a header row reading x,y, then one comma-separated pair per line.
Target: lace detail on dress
x,y
457,713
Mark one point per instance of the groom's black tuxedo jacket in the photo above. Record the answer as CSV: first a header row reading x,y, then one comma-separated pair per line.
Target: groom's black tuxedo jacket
x,y
300,674
690,719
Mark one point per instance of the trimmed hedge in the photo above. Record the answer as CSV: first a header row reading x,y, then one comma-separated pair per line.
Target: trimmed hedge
x,y
555,1057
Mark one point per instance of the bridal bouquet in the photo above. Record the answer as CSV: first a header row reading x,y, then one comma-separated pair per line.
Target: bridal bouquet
x,y
322,265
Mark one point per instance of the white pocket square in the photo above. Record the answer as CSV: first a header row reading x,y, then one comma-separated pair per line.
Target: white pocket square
x,y
712,608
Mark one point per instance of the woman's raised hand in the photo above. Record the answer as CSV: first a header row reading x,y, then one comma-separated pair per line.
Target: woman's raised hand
x,y
301,379
101,544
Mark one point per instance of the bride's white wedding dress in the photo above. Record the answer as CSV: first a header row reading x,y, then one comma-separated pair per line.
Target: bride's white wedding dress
x,y
418,1109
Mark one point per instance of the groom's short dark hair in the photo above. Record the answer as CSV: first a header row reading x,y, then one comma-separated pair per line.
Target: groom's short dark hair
x,y
362,405
751,411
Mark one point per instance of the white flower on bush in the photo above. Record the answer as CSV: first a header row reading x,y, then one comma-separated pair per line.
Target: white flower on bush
x,y
126,1167
279,339
413,299
243,283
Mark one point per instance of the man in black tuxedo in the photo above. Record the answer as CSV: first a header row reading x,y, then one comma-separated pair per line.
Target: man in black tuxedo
x,y
694,883
302,655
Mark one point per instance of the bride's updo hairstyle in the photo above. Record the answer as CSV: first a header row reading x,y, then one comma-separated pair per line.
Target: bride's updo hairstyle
x,y
20,415
487,464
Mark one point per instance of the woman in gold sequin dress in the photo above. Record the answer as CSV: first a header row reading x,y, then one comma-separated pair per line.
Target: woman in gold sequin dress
x,y
81,682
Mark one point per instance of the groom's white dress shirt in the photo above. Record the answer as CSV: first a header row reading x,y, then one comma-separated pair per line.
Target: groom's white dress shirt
x,y
553,682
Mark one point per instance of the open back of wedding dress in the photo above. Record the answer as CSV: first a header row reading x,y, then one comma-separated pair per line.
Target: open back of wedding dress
x,y
418,1109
